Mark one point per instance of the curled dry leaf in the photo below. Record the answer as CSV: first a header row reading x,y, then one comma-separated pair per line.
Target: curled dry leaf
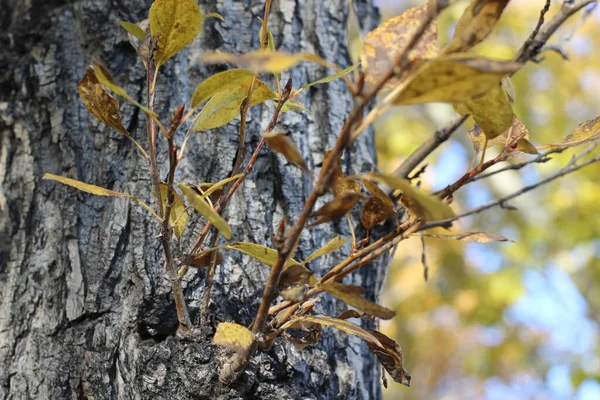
x,y
583,133
333,245
204,260
225,104
234,337
294,282
340,184
336,208
378,208
174,24
310,336
425,206
285,146
454,78
475,24
386,43
205,209
477,237
352,296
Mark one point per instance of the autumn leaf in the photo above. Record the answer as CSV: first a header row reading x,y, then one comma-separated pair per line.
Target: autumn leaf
x,y
329,78
378,208
354,36
105,77
333,245
174,23
204,208
492,111
387,42
291,105
310,337
477,237
283,145
257,61
178,217
454,78
336,208
225,104
204,260
340,184
97,190
475,24
294,281
425,206
133,29
263,254
354,299
583,133
222,81
234,337
518,129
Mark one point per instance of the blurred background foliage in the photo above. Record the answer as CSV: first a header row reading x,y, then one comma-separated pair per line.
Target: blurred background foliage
x,y
506,320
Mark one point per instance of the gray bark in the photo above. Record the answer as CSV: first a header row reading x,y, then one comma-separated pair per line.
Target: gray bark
x,y
86,308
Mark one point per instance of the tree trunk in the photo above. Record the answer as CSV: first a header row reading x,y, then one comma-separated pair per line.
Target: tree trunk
x,y
87,310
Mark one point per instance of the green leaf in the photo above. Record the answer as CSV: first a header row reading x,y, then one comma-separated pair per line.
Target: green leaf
x,y
107,80
223,81
133,29
350,297
204,208
333,245
233,336
225,105
97,190
175,23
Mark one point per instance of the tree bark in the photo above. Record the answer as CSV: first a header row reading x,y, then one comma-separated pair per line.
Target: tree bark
x,y
86,307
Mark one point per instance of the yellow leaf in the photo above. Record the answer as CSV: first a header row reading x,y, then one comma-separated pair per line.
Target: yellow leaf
x,y
178,217
222,81
204,208
285,146
257,61
583,133
427,207
97,190
353,34
516,130
336,208
330,78
454,78
492,111
475,24
107,80
355,300
101,104
174,23
233,336
387,42
225,105
477,237
263,254
333,245
292,105
215,186
214,15
133,29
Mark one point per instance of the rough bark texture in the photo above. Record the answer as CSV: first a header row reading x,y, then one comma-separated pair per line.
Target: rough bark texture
x,y
86,309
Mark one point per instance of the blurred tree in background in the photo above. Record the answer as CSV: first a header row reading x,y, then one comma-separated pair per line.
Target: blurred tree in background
x,y
505,320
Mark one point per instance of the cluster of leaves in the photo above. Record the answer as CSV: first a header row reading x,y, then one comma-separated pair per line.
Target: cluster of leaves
x,y
402,60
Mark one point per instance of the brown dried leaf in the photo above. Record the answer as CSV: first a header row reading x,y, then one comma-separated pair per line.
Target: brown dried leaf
x,y
390,357
204,260
336,208
294,281
475,24
233,336
376,209
583,133
477,237
454,78
310,337
285,146
387,42
350,296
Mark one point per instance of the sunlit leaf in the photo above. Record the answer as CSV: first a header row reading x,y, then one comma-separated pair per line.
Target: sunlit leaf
x,y
518,129
475,24
353,34
257,61
427,207
353,299
105,77
178,217
133,29
333,245
97,190
583,133
212,187
492,111
294,281
477,237
222,81
285,146
233,336
336,208
263,254
225,105
387,42
204,208
454,78
175,23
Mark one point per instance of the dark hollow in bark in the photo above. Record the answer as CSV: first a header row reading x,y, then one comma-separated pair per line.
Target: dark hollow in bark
x,y
86,308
